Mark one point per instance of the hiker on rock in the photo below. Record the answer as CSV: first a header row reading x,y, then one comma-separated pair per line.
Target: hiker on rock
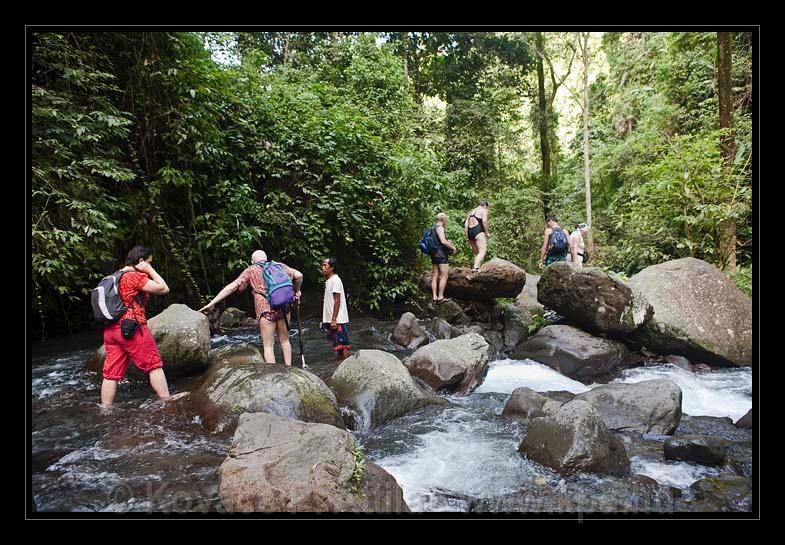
x,y
476,229
578,254
335,312
555,242
439,259
270,312
128,338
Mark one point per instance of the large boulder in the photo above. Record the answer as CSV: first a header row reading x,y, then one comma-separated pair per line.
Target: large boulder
x,y
230,318
241,353
238,384
409,333
593,299
496,278
573,352
525,403
373,387
449,311
516,326
457,365
528,297
723,493
701,449
183,339
698,313
650,406
441,329
278,464
573,440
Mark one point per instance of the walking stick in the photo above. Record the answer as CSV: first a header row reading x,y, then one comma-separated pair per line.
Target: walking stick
x,y
300,334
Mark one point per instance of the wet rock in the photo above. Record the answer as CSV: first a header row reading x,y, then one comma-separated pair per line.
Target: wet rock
x,y
714,426
701,368
698,313
441,329
650,406
496,278
574,353
527,299
373,387
457,365
593,299
701,449
679,361
230,318
183,339
738,458
238,384
450,311
643,479
278,465
723,493
241,353
745,421
525,403
409,333
516,326
573,440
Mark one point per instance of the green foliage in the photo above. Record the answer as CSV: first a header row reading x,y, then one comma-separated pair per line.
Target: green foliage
x,y
538,322
743,279
358,474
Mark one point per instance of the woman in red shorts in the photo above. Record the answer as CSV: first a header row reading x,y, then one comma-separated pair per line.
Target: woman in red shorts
x,y
136,285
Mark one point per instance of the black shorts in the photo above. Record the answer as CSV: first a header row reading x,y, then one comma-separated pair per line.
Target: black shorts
x,y
474,231
439,259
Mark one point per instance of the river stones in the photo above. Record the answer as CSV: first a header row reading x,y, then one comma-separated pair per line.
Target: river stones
x,y
745,421
723,493
496,278
441,329
230,318
457,365
525,403
516,326
528,297
701,449
409,333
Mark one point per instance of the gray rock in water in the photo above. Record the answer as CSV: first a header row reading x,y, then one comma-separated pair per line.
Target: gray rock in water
x,y
573,440
241,353
516,326
701,449
723,493
183,339
278,465
440,329
745,421
528,297
574,353
231,317
409,333
457,365
679,361
698,313
525,403
650,406
593,299
373,387
238,384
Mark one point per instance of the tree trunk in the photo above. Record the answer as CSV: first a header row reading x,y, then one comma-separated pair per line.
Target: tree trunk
x,y
543,125
334,44
727,144
586,174
405,41
286,49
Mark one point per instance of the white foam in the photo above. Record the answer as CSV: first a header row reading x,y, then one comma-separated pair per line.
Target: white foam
x,y
506,375
678,474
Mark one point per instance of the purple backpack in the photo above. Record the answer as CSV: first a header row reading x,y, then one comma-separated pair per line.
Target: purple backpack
x,y
280,289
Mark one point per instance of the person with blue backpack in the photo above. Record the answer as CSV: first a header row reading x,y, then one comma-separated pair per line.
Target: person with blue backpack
x,y
275,288
555,243
439,249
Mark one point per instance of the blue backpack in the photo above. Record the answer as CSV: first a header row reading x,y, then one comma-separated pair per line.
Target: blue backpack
x,y
428,243
558,244
280,289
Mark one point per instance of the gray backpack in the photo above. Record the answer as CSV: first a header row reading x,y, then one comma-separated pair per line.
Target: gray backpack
x,y
107,305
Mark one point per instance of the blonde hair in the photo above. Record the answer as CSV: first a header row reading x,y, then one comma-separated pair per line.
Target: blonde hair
x,y
441,216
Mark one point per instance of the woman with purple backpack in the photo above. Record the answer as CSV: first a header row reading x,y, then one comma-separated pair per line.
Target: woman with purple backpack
x,y
271,317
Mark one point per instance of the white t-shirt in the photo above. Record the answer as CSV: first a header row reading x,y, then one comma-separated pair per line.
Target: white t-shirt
x,y
334,285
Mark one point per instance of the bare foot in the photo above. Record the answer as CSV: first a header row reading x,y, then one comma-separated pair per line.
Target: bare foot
x,y
175,397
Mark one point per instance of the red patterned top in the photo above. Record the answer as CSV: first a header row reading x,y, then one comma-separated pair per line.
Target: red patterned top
x,y
132,283
254,275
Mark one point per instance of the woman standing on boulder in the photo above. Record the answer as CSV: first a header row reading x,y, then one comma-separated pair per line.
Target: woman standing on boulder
x,y
128,338
478,233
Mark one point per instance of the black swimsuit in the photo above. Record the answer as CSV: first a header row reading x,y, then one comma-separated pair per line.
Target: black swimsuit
x,y
477,229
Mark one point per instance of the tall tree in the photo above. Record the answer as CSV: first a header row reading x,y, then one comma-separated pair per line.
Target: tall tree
x,y
543,123
586,172
727,144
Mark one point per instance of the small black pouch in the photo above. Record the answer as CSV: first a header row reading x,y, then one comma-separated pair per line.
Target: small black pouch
x,y
128,328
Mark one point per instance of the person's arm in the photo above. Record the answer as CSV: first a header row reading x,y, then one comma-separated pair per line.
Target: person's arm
x,y
297,280
485,223
573,249
336,308
443,239
223,294
544,247
155,284
466,226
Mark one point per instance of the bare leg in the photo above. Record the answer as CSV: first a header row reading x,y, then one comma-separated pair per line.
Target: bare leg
x,y
283,337
482,246
267,329
444,270
108,391
159,384
473,244
434,280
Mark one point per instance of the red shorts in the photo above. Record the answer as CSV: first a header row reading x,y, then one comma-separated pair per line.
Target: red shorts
x,y
140,348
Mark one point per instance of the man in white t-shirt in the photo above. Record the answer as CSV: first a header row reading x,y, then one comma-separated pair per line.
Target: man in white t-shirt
x,y
335,313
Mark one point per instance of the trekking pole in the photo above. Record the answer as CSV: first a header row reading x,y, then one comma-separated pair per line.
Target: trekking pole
x,y
300,334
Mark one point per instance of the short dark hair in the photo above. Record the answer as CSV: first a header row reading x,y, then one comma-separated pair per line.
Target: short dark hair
x,y
332,262
551,217
137,253
483,202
